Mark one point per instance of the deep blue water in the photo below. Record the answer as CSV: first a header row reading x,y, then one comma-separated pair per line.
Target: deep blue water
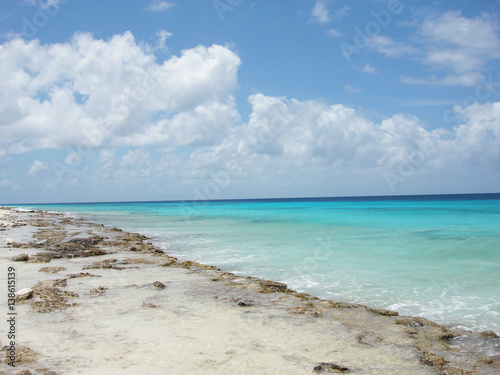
x,y
432,256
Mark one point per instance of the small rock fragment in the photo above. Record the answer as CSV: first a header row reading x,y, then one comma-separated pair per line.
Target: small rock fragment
x,y
21,258
330,367
23,294
159,285
149,305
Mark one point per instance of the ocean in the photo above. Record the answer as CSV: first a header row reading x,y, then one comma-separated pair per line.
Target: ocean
x,y
432,256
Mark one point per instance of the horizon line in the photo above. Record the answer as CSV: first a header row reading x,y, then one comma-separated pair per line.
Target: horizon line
x,y
352,197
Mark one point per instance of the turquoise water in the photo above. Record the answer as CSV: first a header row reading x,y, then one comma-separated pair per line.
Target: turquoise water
x,y
436,258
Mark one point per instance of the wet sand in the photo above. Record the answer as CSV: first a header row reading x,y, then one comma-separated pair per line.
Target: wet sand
x,y
104,301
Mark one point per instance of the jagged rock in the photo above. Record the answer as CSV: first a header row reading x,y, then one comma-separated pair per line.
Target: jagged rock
x,y
24,294
105,264
48,298
489,335
169,263
432,359
268,286
159,285
190,264
21,258
330,367
383,312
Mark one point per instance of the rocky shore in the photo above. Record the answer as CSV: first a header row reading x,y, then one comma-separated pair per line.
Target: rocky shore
x,y
97,300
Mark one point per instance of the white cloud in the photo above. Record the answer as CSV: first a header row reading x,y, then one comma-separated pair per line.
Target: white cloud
x,y
320,12
89,91
162,37
339,13
37,167
389,46
456,47
352,89
460,45
106,156
293,142
334,33
136,158
202,125
368,69
159,6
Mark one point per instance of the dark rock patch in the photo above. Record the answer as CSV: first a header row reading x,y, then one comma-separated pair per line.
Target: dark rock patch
x,y
148,305
100,290
47,297
330,367
51,269
81,274
159,285
21,258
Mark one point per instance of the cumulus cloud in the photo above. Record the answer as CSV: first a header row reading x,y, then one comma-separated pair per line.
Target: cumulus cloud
x,y
90,90
115,95
299,141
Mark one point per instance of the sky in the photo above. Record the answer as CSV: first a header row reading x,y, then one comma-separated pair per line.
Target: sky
x,y
193,100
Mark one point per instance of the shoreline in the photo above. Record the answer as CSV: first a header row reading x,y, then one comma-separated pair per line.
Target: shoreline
x,y
273,328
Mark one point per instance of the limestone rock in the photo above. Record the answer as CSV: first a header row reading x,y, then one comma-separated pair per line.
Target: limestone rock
x,y
21,258
23,294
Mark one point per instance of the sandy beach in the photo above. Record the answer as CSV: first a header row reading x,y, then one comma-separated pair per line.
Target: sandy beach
x,y
97,300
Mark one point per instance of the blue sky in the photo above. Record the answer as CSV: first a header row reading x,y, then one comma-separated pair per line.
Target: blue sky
x,y
165,100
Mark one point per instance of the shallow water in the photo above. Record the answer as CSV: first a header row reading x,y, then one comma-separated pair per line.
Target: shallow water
x,y
439,259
